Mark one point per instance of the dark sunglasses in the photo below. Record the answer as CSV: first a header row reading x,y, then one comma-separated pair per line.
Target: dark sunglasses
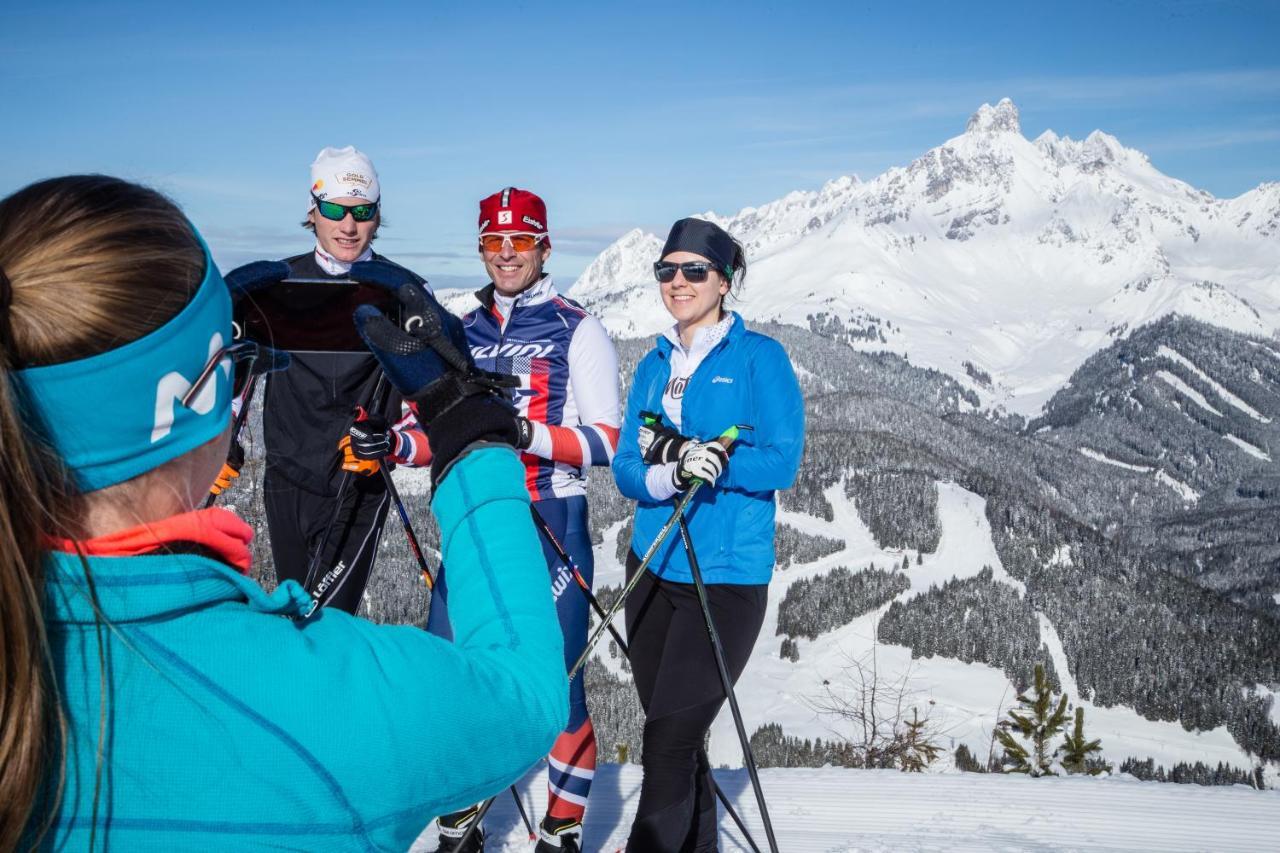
x,y
248,357
695,272
338,212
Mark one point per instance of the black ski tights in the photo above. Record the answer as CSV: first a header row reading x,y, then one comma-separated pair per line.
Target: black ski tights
x,y
680,689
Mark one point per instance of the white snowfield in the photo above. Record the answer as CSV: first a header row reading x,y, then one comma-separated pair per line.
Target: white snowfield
x,y
835,810
1021,257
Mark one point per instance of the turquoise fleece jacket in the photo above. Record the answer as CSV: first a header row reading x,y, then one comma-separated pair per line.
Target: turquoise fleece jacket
x,y
230,727
745,380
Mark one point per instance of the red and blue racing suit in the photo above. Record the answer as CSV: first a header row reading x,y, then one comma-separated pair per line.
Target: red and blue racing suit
x,y
568,372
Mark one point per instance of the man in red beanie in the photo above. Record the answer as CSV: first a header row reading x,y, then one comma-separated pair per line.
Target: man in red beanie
x,y
569,418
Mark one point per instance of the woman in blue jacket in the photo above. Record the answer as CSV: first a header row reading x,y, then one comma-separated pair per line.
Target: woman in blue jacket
x,y
153,698
707,373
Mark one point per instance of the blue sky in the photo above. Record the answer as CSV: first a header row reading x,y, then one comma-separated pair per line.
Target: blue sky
x,y
617,114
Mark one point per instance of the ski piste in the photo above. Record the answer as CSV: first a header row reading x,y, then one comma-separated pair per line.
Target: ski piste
x,y
841,810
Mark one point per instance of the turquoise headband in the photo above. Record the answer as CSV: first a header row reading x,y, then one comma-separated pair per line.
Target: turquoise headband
x,y
116,415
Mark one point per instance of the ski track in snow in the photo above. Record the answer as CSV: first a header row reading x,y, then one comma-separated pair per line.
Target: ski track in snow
x,y
1252,450
1188,494
1174,355
1187,391
1102,457
836,810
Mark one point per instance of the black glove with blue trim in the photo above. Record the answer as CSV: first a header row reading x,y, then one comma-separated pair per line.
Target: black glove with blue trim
x,y
244,280
384,274
428,361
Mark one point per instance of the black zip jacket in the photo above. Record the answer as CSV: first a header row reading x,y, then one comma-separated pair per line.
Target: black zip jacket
x,y
308,407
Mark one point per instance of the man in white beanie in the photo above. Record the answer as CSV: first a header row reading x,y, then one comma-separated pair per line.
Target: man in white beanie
x,y
307,418
343,180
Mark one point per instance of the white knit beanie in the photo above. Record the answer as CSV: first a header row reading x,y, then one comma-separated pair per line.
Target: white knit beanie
x,y
343,173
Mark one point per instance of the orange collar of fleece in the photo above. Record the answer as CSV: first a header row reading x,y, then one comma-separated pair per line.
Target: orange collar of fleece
x,y
219,530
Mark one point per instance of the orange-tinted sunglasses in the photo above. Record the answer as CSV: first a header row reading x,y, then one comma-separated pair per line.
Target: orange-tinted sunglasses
x,y
520,242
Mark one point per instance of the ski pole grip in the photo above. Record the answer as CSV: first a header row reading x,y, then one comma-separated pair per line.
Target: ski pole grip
x,y
728,437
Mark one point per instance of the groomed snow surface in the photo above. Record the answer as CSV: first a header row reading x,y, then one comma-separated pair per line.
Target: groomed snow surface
x,y
835,810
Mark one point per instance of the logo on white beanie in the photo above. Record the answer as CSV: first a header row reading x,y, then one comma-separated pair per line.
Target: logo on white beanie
x,y
343,173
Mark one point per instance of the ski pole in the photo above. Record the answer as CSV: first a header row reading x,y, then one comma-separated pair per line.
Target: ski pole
x,y
545,529
726,438
380,391
408,528
563,554
475,824
484,809
528,824
718,650
237,426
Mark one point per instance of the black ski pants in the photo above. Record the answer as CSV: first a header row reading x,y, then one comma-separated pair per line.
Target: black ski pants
x,y
297,520
681,692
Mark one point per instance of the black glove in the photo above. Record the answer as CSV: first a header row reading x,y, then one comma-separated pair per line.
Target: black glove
x,y
524,427
429,362
703,460
244,280
371,438
660,443
384,274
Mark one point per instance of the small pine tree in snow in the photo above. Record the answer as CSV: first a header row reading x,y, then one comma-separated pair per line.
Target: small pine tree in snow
x,y
916,748
1078,753
966,761
1027,733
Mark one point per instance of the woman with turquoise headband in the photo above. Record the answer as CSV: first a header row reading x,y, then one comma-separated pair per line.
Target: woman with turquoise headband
x,y
152,698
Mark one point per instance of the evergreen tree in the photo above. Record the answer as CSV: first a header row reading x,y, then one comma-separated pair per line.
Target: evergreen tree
x,y
916,750
966,761
1077,752
1028,732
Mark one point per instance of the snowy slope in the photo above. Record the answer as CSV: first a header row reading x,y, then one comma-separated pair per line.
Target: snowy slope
x,y
967,698
842,811
1021,257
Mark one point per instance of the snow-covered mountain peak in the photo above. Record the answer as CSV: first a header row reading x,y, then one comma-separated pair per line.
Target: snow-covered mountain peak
x,y
987,256
1002,118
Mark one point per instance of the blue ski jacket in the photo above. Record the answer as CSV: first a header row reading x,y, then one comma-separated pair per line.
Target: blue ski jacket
x,y
745,380
228,727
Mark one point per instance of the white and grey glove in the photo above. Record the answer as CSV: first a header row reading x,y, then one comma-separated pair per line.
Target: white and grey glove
x,y
703,460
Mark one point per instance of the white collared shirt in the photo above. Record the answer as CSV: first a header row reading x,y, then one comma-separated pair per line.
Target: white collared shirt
x,y
333,266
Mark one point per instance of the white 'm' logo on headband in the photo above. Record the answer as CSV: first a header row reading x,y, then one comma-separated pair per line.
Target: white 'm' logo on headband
x,y
173,386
